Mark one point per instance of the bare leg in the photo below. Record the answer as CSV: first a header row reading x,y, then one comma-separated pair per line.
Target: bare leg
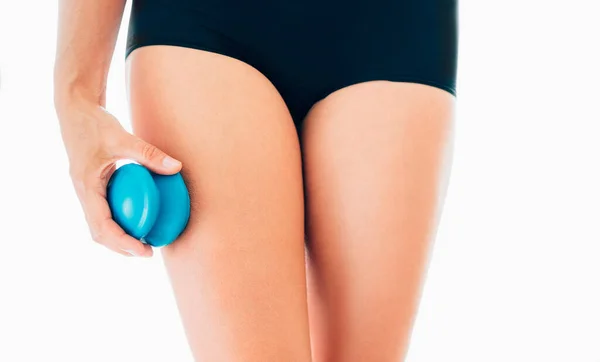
x,y
374,156
238,271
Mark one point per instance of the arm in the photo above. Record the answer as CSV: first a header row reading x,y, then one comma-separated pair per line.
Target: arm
x,y
87,33
93,138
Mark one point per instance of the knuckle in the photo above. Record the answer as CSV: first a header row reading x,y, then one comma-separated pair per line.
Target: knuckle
x,y
97,238
79,185
86,176
75,174
149,151
99,233
82,184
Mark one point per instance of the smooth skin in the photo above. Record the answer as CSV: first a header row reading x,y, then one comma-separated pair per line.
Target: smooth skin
x,y
373,156
376,159
238,271
93,138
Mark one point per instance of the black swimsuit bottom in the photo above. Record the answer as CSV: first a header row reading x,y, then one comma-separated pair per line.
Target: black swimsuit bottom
x,y
310,48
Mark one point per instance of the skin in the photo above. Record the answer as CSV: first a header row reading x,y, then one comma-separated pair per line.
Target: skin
x,y
238,271
366,197
376,158
93,138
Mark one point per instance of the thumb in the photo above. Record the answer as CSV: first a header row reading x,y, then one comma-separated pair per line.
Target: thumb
x,y
152,157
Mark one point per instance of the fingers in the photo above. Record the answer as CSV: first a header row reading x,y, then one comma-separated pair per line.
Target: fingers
x,y
93,148
151,157
105,231
115,239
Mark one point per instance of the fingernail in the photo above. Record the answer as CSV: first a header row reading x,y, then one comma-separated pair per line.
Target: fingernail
x,y
170,162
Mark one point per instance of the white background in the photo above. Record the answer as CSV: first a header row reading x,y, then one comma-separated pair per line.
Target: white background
x,y
515,273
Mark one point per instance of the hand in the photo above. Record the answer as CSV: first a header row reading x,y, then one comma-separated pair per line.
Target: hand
x,y
95,140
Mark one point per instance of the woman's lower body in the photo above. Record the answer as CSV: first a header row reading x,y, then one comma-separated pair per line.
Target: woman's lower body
x,y
324,125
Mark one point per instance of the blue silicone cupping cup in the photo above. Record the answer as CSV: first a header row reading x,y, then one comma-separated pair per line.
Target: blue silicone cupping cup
x,y
150,207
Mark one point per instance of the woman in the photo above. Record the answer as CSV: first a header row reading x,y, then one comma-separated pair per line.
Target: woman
x,y
317,124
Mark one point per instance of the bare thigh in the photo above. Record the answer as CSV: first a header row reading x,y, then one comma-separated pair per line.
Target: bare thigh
x,y
238,270
376,157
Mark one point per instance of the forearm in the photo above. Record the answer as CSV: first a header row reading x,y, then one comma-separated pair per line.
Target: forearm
x,y
87,33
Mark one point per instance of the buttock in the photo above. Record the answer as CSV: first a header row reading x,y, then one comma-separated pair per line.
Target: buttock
x,y
311,48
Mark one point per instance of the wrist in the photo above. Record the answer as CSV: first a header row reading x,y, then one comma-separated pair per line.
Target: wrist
x,y
72,91
70,98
